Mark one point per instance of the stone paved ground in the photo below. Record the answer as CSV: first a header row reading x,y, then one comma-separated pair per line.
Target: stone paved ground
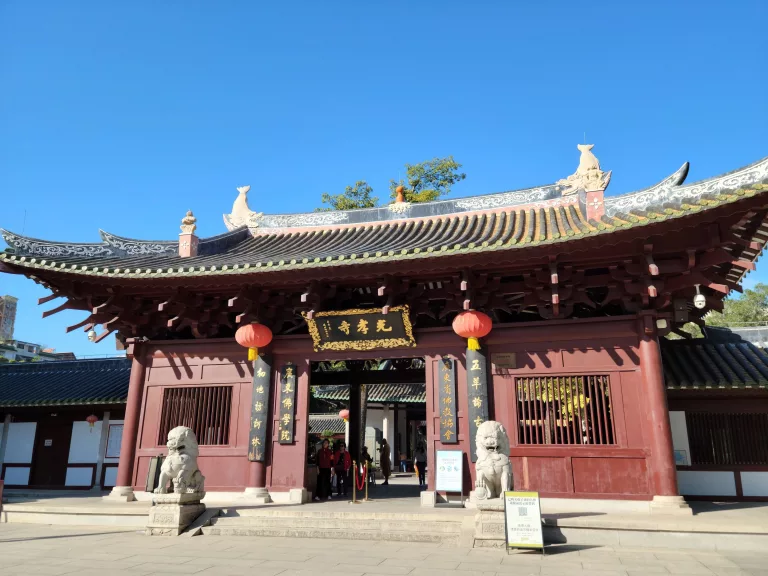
x,y
37,549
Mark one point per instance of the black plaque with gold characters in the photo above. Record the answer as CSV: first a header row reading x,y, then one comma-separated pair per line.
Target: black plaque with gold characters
x,y
361,329
477,395
257,437
287,407
446,398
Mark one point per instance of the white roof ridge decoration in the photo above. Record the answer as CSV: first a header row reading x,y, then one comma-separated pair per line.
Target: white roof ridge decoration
x,y
670,192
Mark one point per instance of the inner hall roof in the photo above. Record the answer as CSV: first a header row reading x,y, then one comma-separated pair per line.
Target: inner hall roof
x,y
516,220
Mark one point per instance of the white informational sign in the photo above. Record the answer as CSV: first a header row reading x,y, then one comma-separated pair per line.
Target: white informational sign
x,y
449,474
114,440
522,517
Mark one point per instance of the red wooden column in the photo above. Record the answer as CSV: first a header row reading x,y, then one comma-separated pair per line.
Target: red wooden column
x,y
123,489
663,470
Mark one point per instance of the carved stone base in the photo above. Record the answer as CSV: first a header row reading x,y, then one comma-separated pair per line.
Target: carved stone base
x,y
121,494
489,523
172,513
670,505
256,496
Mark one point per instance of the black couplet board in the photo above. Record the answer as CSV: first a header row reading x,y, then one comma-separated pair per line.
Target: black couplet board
x,y
287,407
257,437
477,394
361,329
446,397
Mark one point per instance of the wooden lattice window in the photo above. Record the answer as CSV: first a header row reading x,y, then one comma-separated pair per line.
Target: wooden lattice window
x,y
205,409
721,439
564,410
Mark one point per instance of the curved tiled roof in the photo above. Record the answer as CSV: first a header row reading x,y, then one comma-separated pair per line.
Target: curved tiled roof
x,y
701,363
319,423
386,393
64,383
464,226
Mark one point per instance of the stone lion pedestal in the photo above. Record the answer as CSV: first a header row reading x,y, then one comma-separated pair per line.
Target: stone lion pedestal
x,y
172,513
489,524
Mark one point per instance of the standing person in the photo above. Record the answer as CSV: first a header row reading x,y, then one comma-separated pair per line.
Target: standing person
x,y
420,460
368,461
342,464
324,461
385,462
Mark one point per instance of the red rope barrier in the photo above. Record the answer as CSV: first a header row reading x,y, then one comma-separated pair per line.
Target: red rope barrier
x,y
363,477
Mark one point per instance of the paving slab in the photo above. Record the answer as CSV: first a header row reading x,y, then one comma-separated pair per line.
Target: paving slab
x,y
30,550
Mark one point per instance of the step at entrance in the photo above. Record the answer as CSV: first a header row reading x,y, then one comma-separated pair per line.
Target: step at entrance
x,y
338,525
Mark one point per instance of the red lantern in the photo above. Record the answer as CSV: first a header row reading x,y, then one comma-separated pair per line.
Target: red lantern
x,y
92,419
472,325
253,336
344,415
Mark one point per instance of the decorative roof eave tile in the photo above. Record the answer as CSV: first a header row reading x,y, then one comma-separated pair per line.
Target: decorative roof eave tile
x,y
531,237
460,234
70,402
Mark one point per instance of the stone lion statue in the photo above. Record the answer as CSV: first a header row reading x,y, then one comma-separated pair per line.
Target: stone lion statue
x,y
180,466
493,470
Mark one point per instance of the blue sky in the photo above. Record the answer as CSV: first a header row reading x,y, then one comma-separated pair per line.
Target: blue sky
x,y
123,115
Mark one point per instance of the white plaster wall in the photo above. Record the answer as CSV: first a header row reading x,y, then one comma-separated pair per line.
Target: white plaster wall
x,y
17,476
84,446
754,483
680,434
694,483
374,419
21,443
110,477
79,477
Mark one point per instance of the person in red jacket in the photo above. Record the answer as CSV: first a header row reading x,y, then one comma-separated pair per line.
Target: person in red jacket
x,y
324,463
342,464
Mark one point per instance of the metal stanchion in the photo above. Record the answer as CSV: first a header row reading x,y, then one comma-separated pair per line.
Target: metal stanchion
x,y
354,483
365,470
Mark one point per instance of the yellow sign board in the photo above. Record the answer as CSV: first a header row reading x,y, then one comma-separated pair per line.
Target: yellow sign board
x,y
522,520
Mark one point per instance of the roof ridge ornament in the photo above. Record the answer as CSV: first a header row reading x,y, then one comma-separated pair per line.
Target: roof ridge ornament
x,y
188,223
588,176
241,214
399,206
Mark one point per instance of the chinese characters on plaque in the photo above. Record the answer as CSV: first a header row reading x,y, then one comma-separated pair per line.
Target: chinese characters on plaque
x,y
364,329
446,397
287,406
477,394
257,436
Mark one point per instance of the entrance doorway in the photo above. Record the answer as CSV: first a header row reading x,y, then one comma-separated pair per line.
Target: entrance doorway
x,y
51,453
384,400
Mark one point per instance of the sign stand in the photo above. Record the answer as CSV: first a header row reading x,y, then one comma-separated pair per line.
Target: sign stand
x,y
449,473
522,521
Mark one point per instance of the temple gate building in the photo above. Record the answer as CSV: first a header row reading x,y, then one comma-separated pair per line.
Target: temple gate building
x,y
580,288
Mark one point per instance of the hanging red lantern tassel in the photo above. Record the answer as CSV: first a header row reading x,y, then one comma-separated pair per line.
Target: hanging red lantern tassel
x,y
253,336
92,419
472,325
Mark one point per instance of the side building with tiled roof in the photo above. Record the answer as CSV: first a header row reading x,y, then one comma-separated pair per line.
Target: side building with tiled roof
x,y
61,423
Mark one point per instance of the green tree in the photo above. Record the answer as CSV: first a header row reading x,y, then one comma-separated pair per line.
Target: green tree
x,y
357,196
428,180
749,308
688,328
